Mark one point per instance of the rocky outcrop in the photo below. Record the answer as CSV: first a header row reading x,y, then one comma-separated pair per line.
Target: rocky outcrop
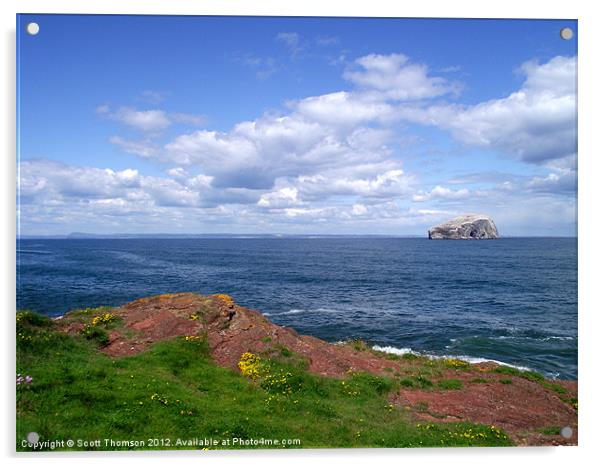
x,y
472,226
521,405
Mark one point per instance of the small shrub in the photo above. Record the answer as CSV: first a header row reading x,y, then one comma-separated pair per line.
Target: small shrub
x,y
529,375
550,430
479,380
406,382
224,297
409,356
91,332
250,365
104,319
32,318
456,363
506,381
379,384
359,344
555,387
423,382
450,384
422,406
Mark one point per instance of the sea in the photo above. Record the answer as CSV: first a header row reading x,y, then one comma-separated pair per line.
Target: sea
x,y
512,300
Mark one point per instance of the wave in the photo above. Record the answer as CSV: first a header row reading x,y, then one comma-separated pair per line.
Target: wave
x,y
301,311
470,359
558,338
294,311
394,350
32,251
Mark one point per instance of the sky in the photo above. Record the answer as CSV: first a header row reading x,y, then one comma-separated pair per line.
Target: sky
x,y
181,124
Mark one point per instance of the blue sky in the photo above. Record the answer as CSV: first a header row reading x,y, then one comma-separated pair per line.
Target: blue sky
x,y
145,124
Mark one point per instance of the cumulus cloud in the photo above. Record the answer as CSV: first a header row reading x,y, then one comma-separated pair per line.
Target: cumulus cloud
x,y
331,160
45,181
562,181
255,153
440,192
149,121
282,197
320,134
144,120
395,77
345,109
390,183
537,123
144,148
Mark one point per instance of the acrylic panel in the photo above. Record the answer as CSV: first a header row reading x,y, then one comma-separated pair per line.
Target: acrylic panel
x,y
287,232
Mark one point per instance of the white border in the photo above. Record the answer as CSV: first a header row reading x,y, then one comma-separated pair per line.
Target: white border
x,y
589,192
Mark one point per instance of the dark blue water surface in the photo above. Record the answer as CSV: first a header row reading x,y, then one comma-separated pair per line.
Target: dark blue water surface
x,y
513,300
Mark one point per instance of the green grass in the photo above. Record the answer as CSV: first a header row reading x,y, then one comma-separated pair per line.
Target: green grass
x,y
174,390
506,381
550,430
529,375
450,384
479,380
533,377
406,382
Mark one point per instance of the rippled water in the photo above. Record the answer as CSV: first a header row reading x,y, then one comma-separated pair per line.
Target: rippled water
x,y
513,300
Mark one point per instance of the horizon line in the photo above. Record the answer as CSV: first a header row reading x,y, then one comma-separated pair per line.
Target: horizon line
x,y
81,235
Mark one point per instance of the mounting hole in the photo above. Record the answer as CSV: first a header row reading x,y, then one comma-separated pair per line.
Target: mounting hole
x,y
566,33
32,28
566,432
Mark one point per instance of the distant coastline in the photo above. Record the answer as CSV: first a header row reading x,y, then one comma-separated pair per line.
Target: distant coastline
x,y
77,235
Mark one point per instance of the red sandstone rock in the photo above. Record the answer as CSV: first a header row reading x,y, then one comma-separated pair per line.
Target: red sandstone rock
x,y
521,408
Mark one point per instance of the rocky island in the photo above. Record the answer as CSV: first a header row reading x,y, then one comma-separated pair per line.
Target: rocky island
x,y
187,366
471,226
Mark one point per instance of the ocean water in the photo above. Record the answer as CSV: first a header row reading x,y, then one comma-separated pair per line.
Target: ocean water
x,y
513,300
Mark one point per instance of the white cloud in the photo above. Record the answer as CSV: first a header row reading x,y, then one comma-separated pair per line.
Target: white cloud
x,y
255,153
344,109
144,120
44,181
283,197
341,182
149,121
440,192
332,161
536,123
561,181
394,77
144,148
359,209
187,119
340,130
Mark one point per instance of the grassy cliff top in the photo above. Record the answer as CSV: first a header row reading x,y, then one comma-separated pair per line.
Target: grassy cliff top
x,y
169,371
